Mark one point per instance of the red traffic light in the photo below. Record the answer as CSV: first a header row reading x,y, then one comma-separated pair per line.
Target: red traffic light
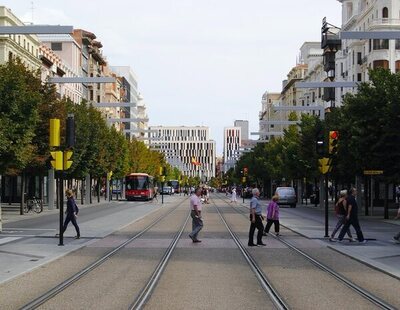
x,y
334,134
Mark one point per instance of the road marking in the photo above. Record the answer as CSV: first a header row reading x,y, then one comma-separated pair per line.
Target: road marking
x,y
22,254
29,229
8,239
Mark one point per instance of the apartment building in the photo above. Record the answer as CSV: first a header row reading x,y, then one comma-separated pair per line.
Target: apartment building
x,y
357,56
68,51
232,143
187,148
25,47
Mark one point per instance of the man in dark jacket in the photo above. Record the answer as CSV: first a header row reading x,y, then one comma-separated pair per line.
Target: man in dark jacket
x,y
352,217
72,213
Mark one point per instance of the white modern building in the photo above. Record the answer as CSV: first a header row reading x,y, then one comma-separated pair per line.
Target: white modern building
x,y
357,56
187,148
131,95
232,143
244,130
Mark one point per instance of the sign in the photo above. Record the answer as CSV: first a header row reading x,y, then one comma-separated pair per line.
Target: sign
x,y
373,172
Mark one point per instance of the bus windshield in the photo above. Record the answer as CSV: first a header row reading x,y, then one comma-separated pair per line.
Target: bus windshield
x,y
137,183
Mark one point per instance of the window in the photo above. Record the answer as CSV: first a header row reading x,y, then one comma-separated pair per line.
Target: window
x,y
385,12
380,44
381,64
359,77
359,58
56,46
397,66
397,44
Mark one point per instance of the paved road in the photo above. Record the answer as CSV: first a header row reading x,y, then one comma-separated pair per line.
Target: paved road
x,y
209,275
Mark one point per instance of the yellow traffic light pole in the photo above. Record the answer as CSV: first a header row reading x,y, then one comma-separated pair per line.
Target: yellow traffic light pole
x,y
60,162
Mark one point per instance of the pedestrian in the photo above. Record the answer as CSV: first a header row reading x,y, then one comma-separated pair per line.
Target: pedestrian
x,y
352,217
341,211
398,194
256,219
273,216
72,213
195,213
233,196
396,238
155,193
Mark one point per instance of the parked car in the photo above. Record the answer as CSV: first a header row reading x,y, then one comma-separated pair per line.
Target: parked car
x,y
167,190
287,196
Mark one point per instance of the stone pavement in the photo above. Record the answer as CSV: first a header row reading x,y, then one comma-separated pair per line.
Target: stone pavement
x,y
380,251
29,241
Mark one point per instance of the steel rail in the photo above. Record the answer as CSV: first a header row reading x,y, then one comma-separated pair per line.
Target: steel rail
x,y
148,289
364,293
63,285
262,278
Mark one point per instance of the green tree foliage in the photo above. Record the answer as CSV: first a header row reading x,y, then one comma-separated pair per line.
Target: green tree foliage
x,y
20,96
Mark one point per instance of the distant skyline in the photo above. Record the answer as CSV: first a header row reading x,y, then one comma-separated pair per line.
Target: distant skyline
x,y
198,62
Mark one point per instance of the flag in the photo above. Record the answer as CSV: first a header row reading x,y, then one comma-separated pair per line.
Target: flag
x,y
195,162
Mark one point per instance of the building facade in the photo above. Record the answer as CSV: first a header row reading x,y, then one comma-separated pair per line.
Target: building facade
x,y
357,56
187,148
267,113
244,132
232,143
24,47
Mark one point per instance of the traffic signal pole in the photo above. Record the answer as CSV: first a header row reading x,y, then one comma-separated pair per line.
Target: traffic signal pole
x,y
61,207
326,207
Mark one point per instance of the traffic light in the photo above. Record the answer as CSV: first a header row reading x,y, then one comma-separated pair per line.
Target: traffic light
x,y
162,171
320,143
245,171
70,132
333,142
66,160
57,161
54,132
244,180
325,165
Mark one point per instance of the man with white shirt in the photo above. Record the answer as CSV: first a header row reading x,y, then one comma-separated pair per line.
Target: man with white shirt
x,y
197,222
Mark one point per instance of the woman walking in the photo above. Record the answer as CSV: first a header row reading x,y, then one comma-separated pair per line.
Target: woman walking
x,y
72,213
273,216
256,220
341,212
233,197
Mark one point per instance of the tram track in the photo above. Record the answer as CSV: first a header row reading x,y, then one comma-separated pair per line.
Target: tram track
x,y
53,292
342,279
272,293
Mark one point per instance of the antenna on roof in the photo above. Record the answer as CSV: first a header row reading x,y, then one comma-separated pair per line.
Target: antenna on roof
x,y
32,10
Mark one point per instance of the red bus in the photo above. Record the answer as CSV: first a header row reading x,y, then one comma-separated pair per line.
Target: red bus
x,y
139,186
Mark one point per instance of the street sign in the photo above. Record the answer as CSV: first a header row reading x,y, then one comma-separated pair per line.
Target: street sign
x,y
373,172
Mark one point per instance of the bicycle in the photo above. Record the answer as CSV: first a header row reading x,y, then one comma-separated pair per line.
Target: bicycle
x,y
34,204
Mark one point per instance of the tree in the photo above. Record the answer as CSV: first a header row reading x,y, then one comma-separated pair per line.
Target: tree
x,y
20,95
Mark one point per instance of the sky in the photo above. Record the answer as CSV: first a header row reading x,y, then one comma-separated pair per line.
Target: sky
x,y
198,62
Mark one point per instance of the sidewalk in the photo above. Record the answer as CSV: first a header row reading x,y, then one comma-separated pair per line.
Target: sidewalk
x,y
380,251
28,242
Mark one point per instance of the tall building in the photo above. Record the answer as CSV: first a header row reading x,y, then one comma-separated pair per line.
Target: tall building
x,y
131,95
269,101
244,132
357,56
232,142
309,69
187,148
143,123
69,53
25,47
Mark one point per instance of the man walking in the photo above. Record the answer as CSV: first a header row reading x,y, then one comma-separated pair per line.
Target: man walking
x,y
256,219
352,217
195,213
396,238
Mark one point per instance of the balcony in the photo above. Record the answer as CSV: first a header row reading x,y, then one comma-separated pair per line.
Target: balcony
x,y
384,23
